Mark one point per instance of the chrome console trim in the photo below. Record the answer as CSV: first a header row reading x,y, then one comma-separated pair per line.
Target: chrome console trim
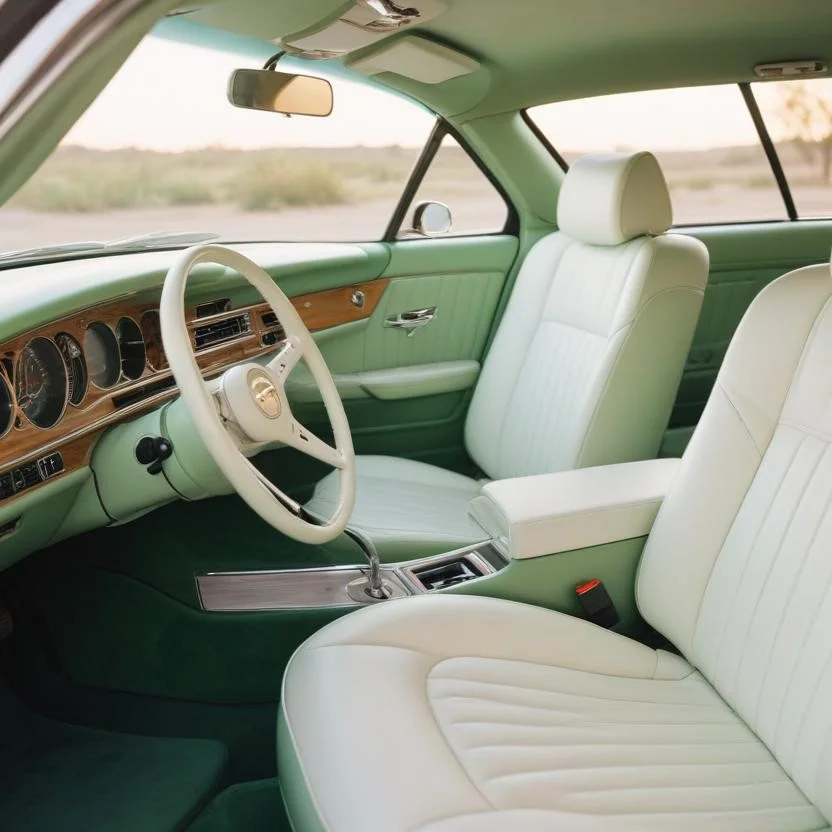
x,y
285,589
326,586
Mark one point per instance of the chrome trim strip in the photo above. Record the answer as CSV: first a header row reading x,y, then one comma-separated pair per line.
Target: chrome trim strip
x,y
319,587
286,589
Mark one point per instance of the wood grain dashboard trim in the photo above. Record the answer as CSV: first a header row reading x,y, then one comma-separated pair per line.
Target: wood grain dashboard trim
x,y
80,426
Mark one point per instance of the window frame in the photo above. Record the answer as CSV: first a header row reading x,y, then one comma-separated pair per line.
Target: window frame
x,y
441,129
768,146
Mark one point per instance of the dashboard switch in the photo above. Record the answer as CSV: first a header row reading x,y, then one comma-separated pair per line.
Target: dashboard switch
x,y
152,451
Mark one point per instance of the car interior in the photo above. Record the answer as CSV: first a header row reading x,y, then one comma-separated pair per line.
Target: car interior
x,y
513,513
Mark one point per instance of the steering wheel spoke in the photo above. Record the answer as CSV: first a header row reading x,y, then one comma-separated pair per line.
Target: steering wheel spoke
x,y
304,440
286,359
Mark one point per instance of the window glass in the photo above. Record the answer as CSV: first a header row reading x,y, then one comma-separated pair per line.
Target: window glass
x,y
798,115
162,150
703,137
453,178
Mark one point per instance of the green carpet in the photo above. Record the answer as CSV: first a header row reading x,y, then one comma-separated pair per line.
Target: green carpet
x,y
246,807
55,776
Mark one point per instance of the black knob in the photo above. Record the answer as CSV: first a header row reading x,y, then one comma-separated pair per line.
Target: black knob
x,y
153,451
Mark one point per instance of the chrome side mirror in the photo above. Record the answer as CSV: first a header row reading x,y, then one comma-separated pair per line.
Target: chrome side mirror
x,y
430,219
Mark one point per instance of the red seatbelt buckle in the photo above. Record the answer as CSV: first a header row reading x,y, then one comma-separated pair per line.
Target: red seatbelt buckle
x,y
596,603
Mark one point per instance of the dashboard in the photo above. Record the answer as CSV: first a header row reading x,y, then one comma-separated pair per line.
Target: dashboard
x,y
64,383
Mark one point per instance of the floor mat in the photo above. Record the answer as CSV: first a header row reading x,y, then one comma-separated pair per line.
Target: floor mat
x,y
55,776
245,807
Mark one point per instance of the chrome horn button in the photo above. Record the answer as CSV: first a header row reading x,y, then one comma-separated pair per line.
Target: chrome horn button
x,y
264,392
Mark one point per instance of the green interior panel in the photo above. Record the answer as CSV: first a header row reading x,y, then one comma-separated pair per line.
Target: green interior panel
x,y
464,278
744,259
550,581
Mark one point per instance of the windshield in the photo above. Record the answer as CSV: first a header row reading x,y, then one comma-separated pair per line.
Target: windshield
x,y
162,151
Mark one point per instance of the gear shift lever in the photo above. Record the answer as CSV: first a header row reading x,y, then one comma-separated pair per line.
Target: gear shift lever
x,y
374,585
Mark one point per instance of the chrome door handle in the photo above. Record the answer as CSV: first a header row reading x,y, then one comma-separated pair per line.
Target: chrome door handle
x,y
410,321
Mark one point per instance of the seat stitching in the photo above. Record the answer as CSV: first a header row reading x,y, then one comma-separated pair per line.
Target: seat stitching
x,y
441,731
798,575
774,560
749,549
560,747
582,697
710,764
502,723
646,703
510,395
718,385
724,391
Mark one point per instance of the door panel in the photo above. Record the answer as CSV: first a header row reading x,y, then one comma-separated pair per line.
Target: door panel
x,y
744,259
407,392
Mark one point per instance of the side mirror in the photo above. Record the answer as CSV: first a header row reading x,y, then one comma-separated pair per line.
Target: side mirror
x,y
432,219
280,92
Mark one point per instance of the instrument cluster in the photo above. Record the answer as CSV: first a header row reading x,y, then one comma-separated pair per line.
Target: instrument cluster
x,y
47,375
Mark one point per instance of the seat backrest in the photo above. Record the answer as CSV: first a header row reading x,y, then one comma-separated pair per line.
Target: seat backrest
x,y
587,359
737,571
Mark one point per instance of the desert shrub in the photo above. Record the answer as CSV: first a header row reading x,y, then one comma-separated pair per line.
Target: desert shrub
x,y
271,186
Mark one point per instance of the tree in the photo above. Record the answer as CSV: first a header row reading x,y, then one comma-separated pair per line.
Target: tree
x,y
806,114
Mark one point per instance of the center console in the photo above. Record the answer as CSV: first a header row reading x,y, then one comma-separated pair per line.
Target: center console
x,y
333,586
560,521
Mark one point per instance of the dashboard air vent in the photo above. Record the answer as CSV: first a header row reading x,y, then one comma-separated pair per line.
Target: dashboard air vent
x,y
223,330
213,307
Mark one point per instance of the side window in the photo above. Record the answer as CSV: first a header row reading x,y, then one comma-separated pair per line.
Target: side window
x,y
703,137
798,116
453,181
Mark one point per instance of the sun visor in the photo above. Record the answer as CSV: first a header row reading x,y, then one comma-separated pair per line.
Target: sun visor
x,y
418,58
364,23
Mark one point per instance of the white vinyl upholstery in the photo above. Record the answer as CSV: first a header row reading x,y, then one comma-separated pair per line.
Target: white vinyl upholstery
x,y
487,715
608,199
549,513
425,507
586,362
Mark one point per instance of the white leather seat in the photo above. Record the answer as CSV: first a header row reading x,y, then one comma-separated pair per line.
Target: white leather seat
x,y
454,714
584,367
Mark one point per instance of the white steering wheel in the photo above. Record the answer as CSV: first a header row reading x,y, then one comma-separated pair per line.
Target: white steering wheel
x,y
247,406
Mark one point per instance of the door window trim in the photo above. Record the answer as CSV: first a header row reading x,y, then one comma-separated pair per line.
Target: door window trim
x,y
441,129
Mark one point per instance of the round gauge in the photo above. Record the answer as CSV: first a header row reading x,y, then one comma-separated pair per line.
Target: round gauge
x,y
75,365
152,333
131,347
6,407
40,382
101,352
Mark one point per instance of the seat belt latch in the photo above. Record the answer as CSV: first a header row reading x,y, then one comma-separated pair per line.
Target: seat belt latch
x,y
596,603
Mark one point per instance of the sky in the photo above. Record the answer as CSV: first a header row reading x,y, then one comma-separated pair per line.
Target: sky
x,y
170,96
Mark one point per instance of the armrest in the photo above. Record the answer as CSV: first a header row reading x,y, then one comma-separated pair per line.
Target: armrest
x,y
406,382
549,513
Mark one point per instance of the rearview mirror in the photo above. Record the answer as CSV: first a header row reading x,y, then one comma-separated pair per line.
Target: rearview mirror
x,y
280,92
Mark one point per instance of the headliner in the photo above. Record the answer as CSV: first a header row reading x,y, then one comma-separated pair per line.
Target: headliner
x,y
535,51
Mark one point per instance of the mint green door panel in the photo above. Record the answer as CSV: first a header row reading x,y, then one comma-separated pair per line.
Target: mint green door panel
x,y
408,393
452,254
389,385
465,305
744,259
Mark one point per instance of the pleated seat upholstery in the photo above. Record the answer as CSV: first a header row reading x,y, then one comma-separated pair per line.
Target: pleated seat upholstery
x,y
455,714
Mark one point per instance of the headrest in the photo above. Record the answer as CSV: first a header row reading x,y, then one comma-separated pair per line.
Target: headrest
x,y
607,199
